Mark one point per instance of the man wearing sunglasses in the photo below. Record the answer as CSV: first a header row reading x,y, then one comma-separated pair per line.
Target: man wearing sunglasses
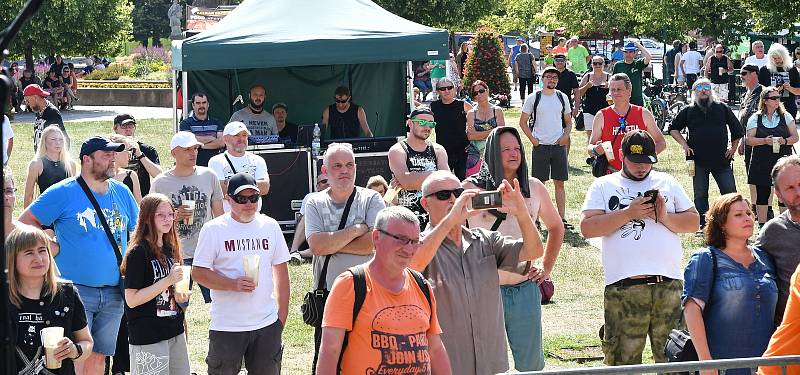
x,y
414,159
450,115
345,118
749,74
710,124
248,313
717,68
462,263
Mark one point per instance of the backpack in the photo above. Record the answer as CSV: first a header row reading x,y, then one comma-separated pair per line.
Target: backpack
x,y
532,119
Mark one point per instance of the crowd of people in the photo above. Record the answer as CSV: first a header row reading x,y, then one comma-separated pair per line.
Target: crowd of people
x,y
402,270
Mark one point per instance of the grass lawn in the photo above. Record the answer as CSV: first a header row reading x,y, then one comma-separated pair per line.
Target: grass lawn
x,y
570,322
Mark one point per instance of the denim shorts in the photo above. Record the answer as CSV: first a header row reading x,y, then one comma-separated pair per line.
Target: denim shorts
x,y
104,308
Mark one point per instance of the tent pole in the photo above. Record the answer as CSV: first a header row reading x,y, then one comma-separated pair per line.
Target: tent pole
x,y
175,101
185,88
410,86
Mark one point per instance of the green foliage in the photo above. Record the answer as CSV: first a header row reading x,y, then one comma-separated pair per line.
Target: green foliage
x,y
150,19
71,27
113,72
449,14
515,17
771,16
487,63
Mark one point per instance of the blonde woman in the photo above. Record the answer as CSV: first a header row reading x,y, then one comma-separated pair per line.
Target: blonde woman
x,y
127,176
36,295
51,164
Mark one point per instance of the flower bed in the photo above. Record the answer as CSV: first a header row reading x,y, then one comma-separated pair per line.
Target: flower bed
x,y
124,84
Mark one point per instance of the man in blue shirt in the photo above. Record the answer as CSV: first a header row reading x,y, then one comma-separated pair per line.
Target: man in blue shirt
x,y
206,129
82,249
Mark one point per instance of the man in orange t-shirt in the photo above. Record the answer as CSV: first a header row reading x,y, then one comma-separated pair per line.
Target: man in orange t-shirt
x,y
396,330
786,339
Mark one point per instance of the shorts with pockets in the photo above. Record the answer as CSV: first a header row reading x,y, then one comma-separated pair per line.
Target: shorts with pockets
x,y
549,161
261,349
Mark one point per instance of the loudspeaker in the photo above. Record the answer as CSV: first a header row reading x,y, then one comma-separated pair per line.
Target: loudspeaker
x,y
367,165
289,179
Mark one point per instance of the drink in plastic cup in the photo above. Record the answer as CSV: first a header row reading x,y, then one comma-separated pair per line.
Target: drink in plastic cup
x,y
690,167
50,338
251,267
182,286
776,145
191,206
721,70
609,150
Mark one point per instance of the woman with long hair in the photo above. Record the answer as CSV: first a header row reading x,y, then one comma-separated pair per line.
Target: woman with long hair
x,y
780,74
127,176
461,57
39,300
151,268
730,290
51,164
481,120
770,133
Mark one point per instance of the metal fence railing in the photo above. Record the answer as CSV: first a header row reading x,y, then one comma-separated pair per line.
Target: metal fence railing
x,y
718,364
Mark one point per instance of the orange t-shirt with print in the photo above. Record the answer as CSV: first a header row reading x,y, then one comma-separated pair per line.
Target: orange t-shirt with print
x,y
786,339
391,331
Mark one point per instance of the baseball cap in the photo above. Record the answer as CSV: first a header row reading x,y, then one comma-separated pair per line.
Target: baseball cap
x,y
630,47
124,119
559,56
241,181
638,146
551,69
183,139
35,89
98,143
750,68
234,128
280,105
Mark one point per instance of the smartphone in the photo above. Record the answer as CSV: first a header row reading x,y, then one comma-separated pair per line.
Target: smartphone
x,y
652,194
487,199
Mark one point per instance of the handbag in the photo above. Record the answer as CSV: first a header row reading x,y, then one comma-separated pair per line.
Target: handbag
x,y
679,346
600,162
102,219
580,122
313,305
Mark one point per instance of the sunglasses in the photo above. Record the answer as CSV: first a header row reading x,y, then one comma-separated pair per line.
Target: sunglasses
x,y
705,86
404,241
241,199
480,91
444,195
597,63
341,101
744,73
444,88
772,98
719,51
560,60
420,122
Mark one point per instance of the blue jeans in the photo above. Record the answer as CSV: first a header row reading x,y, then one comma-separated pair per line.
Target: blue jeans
x,y
725,182
203,290
522,310
104,308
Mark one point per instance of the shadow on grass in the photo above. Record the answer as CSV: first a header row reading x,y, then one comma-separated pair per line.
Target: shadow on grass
x,y
574,238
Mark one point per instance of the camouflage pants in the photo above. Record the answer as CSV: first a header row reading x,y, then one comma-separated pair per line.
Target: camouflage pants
x,y
634,312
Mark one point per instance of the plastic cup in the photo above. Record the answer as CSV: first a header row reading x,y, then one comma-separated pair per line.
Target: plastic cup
x,y
50,338
251,267
182,286
609,150
721,70
776,145
690,168
191,205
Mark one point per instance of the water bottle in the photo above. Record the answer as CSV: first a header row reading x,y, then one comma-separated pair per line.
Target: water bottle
x,y
316,141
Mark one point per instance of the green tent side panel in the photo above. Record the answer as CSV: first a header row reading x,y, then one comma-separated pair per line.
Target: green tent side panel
x,y
379,88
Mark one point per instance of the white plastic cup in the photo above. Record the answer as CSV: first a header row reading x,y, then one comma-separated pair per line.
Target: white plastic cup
x,y
690,168
776,145
609,150
182,286
191,205
50,338
251,267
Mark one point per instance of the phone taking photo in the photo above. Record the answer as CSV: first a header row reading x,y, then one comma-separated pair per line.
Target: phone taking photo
x,y
652,194
487,200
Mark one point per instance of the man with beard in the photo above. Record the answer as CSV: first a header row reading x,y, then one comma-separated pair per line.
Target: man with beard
x,y
345,118
237,159
258,121
710,123
450,115
414,159
205,128
638,213
82,247
188,181
46,113
779,237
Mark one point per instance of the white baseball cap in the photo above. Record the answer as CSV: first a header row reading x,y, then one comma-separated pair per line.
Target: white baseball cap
x,y
235,128
183,139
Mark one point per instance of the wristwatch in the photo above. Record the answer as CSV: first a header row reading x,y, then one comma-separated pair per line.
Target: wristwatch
x,y
79,349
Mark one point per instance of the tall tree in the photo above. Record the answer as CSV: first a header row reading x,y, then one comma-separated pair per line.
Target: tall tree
x,y
150,20
487,63
449,14
70,27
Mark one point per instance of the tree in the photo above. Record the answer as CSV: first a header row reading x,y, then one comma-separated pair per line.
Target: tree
x,y
487,63
449,14
515,17
70,27
150,20
772,16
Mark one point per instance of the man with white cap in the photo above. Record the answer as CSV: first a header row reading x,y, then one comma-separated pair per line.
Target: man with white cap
x,y
194,190
241,256
46,113
237,159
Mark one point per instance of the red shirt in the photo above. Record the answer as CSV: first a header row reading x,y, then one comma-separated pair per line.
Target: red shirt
x,y
611,125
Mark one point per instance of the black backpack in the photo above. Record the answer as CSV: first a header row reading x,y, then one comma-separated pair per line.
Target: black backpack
x,y
532,119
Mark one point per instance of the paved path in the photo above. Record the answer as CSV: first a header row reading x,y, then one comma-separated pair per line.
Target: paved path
x,y
101,113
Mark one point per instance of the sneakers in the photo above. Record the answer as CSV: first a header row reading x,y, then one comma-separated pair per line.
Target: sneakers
x,y
567,225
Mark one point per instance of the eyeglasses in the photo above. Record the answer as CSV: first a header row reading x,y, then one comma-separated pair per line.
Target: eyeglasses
x,y
242,199
444,195
444,88
402,240
559,60
597,63
341,101
165,216
772,98
480,91
550,76
704,86
421,122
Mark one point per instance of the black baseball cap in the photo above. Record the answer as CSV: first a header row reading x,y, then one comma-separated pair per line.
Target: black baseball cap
x,y
638,146
241,181
98,143
124,119
749,68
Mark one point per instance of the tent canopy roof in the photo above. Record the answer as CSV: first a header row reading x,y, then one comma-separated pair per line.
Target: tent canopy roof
x,y
279,33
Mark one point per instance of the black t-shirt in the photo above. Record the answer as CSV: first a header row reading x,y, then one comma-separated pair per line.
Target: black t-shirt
x,y
49,116
52,83
34,315
138,167
714,75
289,133
567,82
708,133
160,318
768,78
451,125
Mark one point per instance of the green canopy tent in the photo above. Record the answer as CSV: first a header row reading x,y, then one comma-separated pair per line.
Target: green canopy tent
x,y
301,50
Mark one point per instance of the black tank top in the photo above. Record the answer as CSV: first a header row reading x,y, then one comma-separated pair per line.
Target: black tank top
x,y
416,161
128,181
451,125
717,63
344,125
595,98
52,172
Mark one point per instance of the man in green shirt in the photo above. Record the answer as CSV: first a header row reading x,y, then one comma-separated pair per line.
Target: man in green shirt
x,y
578,55
633,67
438,71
